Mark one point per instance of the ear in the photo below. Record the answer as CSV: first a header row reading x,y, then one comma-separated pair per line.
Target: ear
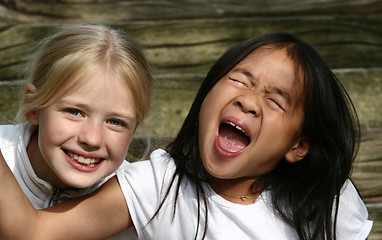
x,y
299,150
31,116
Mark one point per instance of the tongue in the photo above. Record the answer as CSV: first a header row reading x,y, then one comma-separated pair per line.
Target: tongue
x,y
231,139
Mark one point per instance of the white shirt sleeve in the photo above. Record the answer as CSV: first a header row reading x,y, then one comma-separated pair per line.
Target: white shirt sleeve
x,y
142,185
352,219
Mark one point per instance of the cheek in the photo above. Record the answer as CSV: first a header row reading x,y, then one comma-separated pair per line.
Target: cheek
x,y
54,124
206,131
48,143
296,124
49,131
203,115
118,143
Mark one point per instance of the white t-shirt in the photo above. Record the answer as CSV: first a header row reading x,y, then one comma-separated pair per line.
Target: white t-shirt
x,y
13,142
144,185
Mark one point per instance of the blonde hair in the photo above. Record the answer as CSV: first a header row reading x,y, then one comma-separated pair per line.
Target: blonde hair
x,y
64,60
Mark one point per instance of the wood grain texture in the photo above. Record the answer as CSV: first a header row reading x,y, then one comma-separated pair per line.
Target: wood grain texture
x,y
182,39
191,46
40,11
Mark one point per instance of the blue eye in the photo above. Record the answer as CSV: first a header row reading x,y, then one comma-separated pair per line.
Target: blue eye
x,y
116,122
73,112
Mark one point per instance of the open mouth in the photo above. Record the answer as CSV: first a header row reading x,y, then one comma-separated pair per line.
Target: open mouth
x,y
232,138
89,162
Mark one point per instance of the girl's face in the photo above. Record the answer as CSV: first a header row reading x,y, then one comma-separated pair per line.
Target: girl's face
x,y
252,117
85,135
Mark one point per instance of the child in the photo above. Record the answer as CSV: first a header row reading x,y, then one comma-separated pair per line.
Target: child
x,y
264,153
88,90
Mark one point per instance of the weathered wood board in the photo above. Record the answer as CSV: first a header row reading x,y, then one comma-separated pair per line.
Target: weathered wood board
x,y
38,11
191,46
183,39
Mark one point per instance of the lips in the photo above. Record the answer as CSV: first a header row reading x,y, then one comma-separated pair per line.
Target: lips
x,y
82,163
231,139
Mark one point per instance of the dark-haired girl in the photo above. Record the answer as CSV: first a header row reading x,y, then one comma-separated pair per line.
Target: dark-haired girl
x,y
265,153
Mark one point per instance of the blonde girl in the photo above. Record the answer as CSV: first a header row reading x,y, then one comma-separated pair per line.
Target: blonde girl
x,y
87,92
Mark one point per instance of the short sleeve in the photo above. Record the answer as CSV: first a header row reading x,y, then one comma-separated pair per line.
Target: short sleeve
x,y
141,183
352,219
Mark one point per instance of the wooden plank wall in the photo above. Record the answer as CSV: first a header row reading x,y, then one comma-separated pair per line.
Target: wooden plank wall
x,y
183,38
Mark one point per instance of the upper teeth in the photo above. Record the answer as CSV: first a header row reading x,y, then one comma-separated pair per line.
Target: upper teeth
x,y
81,159
237,127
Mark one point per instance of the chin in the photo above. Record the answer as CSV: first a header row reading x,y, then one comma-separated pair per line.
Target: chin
x,y
219,174
84,183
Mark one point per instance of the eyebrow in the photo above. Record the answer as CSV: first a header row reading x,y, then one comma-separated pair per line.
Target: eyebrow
x,y
249,75
65,103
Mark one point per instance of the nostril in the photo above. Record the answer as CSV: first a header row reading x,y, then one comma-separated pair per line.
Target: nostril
x,y
247,106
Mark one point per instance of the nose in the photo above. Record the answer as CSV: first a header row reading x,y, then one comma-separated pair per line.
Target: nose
x,y
90,137
249,103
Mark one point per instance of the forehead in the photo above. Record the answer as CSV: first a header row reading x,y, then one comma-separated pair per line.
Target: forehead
x,y
103,81
272,67
105,93
265,61
94,81
98,76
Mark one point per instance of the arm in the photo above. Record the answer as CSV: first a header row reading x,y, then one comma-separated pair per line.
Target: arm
x,y
97,216
11,200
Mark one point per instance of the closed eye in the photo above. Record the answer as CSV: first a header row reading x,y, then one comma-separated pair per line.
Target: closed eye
x,y
275,104
238,82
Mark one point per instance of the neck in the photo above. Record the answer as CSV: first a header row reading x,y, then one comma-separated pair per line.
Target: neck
x,y
238,190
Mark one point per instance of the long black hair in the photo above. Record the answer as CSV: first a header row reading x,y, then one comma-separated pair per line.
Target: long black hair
x,y
305,193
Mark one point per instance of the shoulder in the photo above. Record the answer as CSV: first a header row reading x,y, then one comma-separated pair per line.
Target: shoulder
x,y
150,173
143,184
8,134
159,162
352,218
162,160
350,198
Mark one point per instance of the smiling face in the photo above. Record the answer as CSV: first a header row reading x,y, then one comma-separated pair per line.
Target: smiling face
x,y
84,136
252,117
